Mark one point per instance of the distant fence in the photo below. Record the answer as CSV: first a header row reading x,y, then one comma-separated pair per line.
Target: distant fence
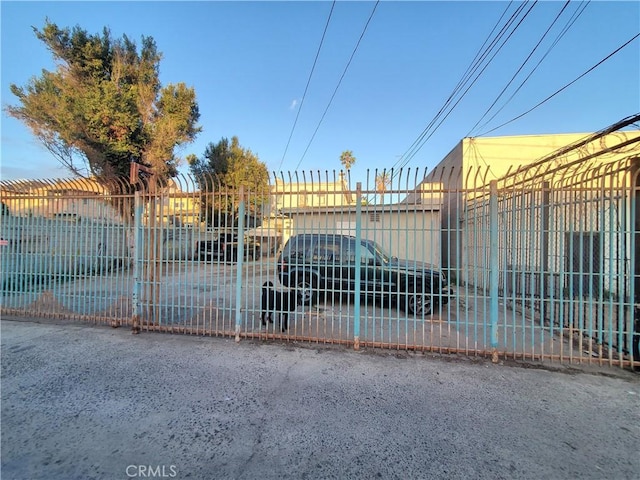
x,y
542,262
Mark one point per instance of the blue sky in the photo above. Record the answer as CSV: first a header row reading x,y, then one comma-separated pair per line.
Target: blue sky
x,y
249,63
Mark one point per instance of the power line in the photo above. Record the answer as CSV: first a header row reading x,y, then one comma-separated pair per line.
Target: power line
x,y
339,82
566,28
483,52
307,86
522,65
566,86
432,126
480,54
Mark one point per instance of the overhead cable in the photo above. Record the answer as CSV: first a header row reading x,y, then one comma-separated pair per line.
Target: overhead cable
x,y
339,82
440,117
566,86
570,22
489,45
522,65
306,88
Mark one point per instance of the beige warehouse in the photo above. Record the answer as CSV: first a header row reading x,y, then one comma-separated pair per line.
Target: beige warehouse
x,y
562,162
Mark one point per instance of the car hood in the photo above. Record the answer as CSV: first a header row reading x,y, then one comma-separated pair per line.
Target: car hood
x,y
413,265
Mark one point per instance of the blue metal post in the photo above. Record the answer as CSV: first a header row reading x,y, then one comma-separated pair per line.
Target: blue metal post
x,y
493,268
358,259
633,342
240,263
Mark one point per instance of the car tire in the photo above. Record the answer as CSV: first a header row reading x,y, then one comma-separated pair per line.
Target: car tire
x,y
307,289
420,304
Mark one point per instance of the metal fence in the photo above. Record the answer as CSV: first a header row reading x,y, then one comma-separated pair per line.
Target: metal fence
x,y
540,264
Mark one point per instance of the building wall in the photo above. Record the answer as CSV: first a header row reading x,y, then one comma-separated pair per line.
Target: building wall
x,y
576,240
310,194
474,162
405,232
503,155
50,206
565,223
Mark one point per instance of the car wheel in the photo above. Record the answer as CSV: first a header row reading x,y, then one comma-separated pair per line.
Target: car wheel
x,y
307,290
420,304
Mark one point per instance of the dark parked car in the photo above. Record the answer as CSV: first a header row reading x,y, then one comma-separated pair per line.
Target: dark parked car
x,y
315,263
224,247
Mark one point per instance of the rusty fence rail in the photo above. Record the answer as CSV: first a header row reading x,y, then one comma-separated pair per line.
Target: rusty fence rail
x,y
535,265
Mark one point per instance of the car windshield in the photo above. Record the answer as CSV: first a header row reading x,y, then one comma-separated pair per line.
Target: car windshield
x,y
378,250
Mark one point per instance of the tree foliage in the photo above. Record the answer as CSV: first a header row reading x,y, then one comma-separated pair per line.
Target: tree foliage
x,y
225,167
104,106
347,159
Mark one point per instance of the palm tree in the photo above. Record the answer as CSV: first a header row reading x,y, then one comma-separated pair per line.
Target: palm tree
x,y
347,159
383,180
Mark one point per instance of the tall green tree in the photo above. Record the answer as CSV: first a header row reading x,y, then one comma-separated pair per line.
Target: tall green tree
x,y
223,169
104,106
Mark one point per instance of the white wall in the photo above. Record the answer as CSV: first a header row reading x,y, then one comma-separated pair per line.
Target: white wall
x,y
404,231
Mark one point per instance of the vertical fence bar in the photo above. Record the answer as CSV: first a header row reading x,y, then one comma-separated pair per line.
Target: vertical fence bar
x,y
358,272
633,324
240,263
562,280
493,268
137,256
613,267
544,262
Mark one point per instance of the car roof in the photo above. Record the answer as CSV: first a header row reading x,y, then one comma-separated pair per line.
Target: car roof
x,y
321,235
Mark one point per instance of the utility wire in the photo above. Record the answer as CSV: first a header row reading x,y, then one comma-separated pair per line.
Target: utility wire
x,y
522,65
566,86
426,135
485,49
308,82
481,55
471,69
566,28
339,82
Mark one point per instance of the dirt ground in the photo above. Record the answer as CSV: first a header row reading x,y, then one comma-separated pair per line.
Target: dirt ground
x,y
91,402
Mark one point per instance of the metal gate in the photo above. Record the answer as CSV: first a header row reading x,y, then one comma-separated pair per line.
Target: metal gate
x,y
540,264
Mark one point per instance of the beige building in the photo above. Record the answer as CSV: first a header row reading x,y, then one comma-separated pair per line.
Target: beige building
x,y
404,230
175,207
312,193
70,199
565,204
